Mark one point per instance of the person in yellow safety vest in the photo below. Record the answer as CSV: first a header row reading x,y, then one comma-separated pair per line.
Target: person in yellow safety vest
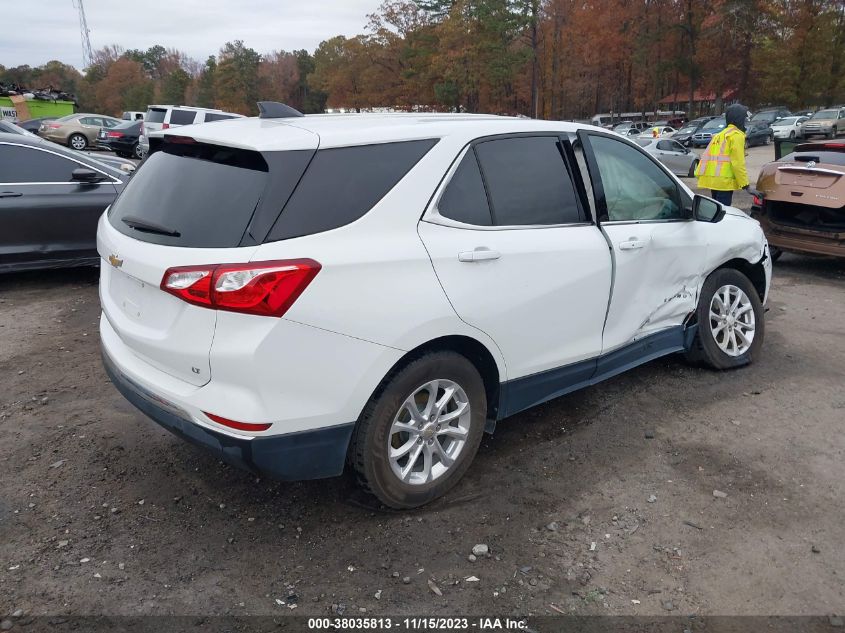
x,y
722,166
655,132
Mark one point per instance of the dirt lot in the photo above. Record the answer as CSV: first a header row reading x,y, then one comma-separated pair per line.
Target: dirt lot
x,y
102,512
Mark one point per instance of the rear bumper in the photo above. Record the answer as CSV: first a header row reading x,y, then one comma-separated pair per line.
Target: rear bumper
x,y
293,456
801,240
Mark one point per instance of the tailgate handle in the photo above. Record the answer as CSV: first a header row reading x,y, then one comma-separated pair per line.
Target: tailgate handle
x,y
481,253
10,194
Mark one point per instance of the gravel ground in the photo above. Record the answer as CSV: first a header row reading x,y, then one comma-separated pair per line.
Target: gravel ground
x,y
601,502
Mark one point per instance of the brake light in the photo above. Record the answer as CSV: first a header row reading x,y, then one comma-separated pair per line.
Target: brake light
x,y
165,126
758,201
260,288
240,426
115,134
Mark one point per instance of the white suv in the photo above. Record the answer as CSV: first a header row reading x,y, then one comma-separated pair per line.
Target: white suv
x,y
303,293
163,117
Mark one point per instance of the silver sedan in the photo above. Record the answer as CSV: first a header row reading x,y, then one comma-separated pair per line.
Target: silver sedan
x,y
679,159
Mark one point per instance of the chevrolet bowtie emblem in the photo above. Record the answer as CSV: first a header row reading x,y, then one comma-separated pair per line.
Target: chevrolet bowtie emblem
x,y
115,261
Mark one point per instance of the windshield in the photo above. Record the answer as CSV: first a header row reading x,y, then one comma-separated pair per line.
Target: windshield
x,y
715,124
643,142
688,130
622,126
69,117
825,114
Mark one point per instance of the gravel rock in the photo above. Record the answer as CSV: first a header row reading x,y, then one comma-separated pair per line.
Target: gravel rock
x,y
816,549
668,605
472,558
406,580
649,434
18,613
719,494
553,526
480,550
652,498
6,625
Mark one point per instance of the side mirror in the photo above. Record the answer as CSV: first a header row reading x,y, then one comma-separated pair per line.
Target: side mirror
x,y
707,210
83,174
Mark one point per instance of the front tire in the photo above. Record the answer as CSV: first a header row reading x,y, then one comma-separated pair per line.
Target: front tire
x,y
77,142
731,323
692,169
420,431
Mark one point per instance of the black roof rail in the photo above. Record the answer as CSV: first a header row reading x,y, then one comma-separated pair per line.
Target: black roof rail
x,y
276,110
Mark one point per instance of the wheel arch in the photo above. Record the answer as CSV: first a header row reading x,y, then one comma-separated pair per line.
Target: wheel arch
x,y
474,351
756,273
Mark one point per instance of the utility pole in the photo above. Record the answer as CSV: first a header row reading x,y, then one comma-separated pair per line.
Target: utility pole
x,y
87,54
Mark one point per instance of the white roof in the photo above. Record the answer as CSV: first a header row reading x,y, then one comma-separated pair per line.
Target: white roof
x,y
339,130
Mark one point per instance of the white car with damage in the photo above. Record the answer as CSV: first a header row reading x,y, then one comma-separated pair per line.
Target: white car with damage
x,y
304,294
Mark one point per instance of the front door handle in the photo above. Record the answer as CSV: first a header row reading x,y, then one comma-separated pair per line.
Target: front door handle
x,y
631,245
10,194
481,253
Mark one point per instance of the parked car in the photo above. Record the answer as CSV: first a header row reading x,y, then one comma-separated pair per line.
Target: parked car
x,y
662,131
122,139
829,122
13,128
677,158
629,128
685,134
759,133
788,127
769,115
802,203
50,201
76,130
33,125
163,117
265,332
132,115
703,136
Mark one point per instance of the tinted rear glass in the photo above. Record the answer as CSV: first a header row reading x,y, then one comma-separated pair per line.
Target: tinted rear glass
x,y
342,184
210,116
155,115
527,181
182,117
829,158
205,193
464,198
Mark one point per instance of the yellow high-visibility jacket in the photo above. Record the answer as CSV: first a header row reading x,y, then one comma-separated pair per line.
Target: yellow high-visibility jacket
x,y
722,165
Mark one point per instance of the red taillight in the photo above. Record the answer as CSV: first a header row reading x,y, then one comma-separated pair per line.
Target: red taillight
x,y
165,126
758,201
54,126
240,426
261,288
114,134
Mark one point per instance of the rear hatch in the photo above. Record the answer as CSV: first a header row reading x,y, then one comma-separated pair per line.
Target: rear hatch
x,y
189,204
154,119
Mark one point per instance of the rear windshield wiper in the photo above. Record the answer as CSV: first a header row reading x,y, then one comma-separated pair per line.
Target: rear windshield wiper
x,y
148,227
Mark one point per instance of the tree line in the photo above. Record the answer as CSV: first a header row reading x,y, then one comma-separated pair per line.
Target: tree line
x,y
553,59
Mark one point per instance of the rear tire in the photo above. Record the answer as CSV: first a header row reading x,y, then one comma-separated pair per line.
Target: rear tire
x,y
792,135
77,142
775,253
137,152
397,445
730,319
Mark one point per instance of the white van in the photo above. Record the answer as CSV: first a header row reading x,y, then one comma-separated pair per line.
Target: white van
x,y
163,117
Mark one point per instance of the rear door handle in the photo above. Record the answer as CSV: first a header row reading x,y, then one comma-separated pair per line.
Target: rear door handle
x,y
10,194
631,245
481,253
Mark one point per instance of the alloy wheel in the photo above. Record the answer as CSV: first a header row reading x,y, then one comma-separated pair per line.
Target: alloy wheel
x,y
429,432
732,320
78,142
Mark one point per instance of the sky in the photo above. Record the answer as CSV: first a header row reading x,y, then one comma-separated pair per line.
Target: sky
x,y
197,27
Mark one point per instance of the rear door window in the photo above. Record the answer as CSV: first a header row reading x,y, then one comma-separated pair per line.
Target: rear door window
x,y
182,117
464,199
528,182
342,184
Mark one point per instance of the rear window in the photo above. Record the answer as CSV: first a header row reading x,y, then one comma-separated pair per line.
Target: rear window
x,y
342,184
182,117
828,158
464,198
643,142
211,116
192,195
155,115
